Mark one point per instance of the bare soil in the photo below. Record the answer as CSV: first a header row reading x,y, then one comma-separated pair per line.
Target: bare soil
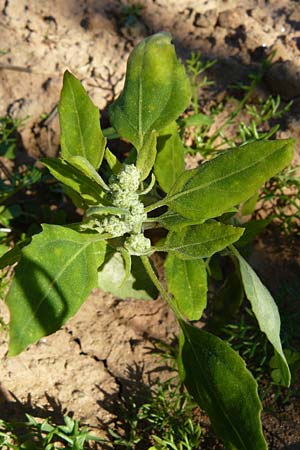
x,y
105,351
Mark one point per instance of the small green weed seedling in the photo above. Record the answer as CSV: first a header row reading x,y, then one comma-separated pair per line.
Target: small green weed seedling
x,y
146,203
248,117
165,420
44,435
12,180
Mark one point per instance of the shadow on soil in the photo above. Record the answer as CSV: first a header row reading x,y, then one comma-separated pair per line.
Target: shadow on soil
x,y
11,408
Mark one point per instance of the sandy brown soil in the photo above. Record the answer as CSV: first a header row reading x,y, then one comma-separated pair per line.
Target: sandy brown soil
x,y
104,350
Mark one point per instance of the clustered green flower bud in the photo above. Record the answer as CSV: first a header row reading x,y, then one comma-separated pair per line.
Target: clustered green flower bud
x,y
123,194
137,244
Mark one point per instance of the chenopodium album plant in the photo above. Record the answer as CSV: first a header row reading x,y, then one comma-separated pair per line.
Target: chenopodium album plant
x,y
122,201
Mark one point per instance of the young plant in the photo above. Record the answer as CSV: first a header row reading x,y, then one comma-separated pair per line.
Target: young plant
x,y
208,139
126,204
165,420
44,435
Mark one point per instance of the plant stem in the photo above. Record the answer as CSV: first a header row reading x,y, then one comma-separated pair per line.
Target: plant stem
x,y
165,295
155,205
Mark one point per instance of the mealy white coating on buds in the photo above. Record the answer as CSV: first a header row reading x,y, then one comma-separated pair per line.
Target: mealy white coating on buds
x,y
127,180
137,244
115,226
122,194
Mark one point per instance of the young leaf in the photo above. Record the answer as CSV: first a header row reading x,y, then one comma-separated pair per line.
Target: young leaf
x,y
79,119
74,196
88,188
56,273
146,156
87,169
137,285
169,162
106,210
156,90
265,310
217,378
210,190
113,162
187,282
200,241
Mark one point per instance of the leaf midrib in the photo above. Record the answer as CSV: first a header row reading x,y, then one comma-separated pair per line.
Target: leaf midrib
x,y
193,244
77,119
211,183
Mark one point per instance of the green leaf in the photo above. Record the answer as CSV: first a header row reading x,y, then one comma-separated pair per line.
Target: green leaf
x,y
146,156
79,119
10,257
217,378
293,359
171,220
265,311
169,162
248,207
217,185
187,282
106,210
112,161
200,241
87,169
252,229
74,196
197,120
156,90
137,285
56,273
72,177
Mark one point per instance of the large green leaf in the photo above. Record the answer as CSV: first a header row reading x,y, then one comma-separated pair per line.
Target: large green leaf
x,y
88,189
265,310
217,378
171,220
56,273
79,119
187,282
200,241
112,278
210,190
169,162
156,90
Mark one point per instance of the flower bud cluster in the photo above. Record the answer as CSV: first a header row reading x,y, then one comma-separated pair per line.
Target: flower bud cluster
x,y
137,244
123,194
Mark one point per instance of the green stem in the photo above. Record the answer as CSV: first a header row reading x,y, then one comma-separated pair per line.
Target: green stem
x,y
165,295
233,250
155,205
